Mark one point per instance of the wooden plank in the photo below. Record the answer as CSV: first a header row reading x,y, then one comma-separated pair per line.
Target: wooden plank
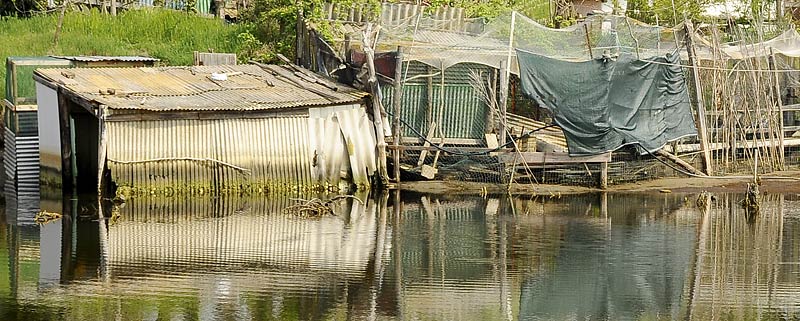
x,y
429,137
791,107
688,167
548,158
434,148
448,141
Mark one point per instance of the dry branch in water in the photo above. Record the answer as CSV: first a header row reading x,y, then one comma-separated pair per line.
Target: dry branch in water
x,y
316,207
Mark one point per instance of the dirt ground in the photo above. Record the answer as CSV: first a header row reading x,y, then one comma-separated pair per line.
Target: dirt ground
x,y
778,182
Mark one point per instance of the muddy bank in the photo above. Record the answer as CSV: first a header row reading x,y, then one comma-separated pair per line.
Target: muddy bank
x,y
784,182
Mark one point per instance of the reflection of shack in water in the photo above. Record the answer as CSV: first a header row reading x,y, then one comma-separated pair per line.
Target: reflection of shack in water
x,y
747,269
199,236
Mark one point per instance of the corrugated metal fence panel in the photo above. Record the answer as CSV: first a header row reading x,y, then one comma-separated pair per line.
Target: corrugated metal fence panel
x,y
199,153
27,150
214,59
203,6
9,155
463,115
21,162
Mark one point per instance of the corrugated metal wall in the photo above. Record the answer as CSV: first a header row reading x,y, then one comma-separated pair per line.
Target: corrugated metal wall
x,y
281,153
202,6
463,114
21,152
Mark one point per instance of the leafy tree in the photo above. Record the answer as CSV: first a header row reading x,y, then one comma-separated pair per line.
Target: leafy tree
x,y
272,23
21,7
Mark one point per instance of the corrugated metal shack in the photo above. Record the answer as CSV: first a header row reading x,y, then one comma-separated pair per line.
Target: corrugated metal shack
x,y
21,137
203,129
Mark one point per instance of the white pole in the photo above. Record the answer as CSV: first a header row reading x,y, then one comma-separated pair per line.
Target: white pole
x,y
510,44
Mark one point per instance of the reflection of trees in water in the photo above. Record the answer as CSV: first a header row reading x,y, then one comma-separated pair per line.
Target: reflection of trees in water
x,y
745,270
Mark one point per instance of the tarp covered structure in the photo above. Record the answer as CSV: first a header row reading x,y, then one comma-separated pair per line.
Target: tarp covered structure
x,y
606,103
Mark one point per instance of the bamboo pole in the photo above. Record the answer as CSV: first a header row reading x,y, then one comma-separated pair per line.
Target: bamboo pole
x,y
501,128
701,113
779,101
505,75
377,109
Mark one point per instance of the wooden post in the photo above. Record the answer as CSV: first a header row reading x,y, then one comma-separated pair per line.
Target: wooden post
x,y
396,107
700,120
493,105
501,129
101,148
588,41
603,175
301,34
113,7
429,106
219,9
66,143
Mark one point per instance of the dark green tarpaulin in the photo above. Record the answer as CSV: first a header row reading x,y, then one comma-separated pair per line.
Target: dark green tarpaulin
x,y
603,104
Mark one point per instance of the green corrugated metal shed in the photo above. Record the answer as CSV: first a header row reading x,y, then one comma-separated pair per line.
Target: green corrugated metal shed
x,y
463,113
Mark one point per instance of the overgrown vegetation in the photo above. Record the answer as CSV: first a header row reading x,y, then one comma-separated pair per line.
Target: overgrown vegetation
x,y
165,34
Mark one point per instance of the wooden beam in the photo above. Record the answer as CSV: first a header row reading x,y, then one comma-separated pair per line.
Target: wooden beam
x,y
434,148
675,159
550,158
700,120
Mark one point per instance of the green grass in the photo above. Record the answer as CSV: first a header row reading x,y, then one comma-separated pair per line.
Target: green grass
x,y
165,34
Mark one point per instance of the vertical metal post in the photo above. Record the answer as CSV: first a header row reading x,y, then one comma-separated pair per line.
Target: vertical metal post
x,y
397,106
698,97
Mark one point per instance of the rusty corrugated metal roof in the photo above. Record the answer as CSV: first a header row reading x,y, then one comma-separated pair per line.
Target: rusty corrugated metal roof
x,y
248,87
108,58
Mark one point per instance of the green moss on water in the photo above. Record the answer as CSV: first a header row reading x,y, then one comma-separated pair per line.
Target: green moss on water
x,y
205,189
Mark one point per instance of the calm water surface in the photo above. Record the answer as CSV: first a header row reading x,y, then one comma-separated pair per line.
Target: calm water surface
x,y
406,257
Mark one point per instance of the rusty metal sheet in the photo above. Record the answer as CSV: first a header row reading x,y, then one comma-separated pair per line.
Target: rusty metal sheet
x,y
248,87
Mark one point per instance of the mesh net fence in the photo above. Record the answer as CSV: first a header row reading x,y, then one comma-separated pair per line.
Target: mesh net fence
x,y
443,55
